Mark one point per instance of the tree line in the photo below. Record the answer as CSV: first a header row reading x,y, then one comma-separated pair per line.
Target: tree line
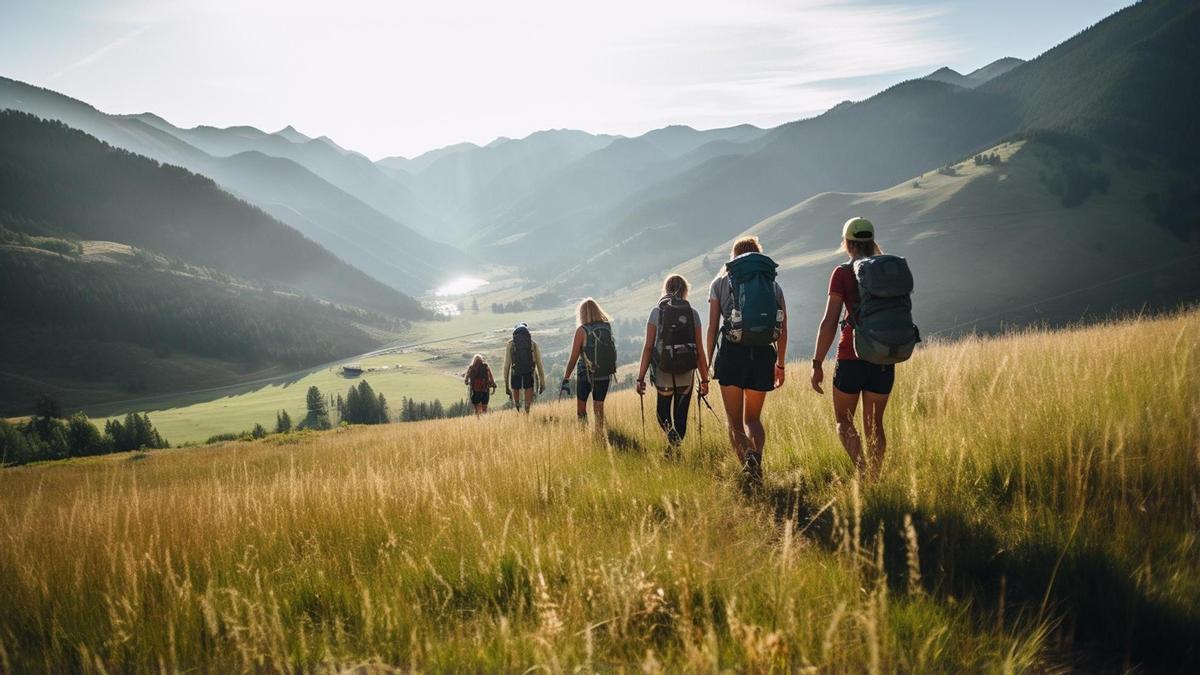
x,y
49,434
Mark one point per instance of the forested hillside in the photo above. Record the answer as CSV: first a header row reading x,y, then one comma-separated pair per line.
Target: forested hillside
x,y
61,181
1131,81
88,330
384,248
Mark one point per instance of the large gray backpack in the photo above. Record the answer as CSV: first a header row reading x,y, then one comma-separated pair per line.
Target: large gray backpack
x,y
884,332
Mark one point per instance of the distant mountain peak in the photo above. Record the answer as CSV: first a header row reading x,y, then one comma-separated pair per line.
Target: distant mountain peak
x,y
994,69
975,77
290,133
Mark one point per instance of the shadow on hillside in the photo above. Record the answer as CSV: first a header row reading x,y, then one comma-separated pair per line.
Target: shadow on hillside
x,y
1106,614
622,442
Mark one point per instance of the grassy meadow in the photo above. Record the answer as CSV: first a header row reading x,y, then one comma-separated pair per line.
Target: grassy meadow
x,y
430,371
1038,511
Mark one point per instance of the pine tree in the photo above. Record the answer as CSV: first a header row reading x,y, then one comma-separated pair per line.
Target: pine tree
x,y
283,422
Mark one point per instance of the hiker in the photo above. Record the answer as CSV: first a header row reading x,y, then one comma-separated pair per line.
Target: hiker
x,y
748,304
673,352
596,352
522,361
479,378
865,366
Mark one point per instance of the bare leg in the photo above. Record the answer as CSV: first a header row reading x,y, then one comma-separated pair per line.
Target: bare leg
x,y
581,408
732,398
754,401
844,406
873,407
598,407
528,400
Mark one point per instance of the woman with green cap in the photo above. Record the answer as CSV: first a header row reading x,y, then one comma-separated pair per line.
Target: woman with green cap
x,y
853,378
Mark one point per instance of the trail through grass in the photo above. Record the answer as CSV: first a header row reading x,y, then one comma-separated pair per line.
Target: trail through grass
x,y
1038,509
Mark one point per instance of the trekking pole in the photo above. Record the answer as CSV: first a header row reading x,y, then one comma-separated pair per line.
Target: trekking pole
x,y
642,404
699,417
704,399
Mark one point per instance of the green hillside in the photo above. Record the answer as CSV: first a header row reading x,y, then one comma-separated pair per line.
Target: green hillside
x,y
113,322
291,192
1131,81
1036,513
61,181
990,246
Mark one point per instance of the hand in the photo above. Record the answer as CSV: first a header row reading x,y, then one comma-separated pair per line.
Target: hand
x,y
508,392
780,375
641,387
542,388
817,377
703,388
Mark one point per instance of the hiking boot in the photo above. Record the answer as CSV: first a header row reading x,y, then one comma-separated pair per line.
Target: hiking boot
x,y
753,469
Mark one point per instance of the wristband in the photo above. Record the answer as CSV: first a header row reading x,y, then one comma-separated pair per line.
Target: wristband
x,y
779,367
816,364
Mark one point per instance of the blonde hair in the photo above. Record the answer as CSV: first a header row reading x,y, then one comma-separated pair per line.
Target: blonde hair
x,y
590,312
745,245
675,285
477,360
861,247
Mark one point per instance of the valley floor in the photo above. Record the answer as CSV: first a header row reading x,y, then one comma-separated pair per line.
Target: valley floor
x,y
1037,511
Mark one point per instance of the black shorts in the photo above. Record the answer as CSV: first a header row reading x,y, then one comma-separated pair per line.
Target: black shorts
x,y
856,376
745,367
480,397
597,389
519,382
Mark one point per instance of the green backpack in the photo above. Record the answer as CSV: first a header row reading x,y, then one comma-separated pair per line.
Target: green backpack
x,y
884,332
756,319
599,350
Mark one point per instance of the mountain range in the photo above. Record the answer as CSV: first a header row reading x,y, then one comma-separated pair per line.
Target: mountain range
x,y
1106,119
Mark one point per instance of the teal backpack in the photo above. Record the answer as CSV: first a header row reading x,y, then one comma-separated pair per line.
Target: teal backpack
x,y
884,332
599,350
757,318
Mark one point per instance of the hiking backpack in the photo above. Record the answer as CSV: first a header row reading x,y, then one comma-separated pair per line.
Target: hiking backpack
x,y
599,350
675,351
522,352
884,332
756,319
479,378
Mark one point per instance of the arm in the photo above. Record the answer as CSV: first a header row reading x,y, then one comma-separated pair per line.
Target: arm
x,y
491,379
714,323
507,368
701,361
537,365
576,350
781,349
647,348
826,333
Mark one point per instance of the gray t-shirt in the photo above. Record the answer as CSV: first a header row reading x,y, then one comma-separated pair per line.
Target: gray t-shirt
x,y
668,379
722,291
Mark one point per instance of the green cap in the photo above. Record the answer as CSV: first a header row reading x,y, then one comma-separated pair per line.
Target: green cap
x,y
858,229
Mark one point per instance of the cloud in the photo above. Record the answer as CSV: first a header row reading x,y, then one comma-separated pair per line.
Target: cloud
x,y
99,53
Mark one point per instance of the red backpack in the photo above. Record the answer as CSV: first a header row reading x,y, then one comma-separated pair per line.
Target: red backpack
x,y
481,378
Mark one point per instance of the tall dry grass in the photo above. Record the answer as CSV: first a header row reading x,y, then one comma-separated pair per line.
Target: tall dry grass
x,y
1038,509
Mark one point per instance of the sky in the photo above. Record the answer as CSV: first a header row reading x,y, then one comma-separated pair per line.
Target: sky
x,y
403,77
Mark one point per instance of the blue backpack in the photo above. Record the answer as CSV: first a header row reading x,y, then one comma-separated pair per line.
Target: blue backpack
x,y
757,318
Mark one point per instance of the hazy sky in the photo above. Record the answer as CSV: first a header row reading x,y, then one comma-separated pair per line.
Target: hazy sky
x,y
403,77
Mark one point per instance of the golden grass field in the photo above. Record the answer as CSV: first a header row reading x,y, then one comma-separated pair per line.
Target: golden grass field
x,y
1038,511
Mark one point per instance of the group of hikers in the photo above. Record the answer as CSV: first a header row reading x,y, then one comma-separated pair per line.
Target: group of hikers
x,y
868,297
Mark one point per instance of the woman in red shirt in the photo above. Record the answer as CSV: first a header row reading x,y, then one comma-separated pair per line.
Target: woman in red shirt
x,y
853,377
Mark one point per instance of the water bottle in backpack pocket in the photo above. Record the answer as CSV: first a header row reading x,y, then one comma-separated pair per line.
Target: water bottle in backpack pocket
x,y
884,332
756,319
